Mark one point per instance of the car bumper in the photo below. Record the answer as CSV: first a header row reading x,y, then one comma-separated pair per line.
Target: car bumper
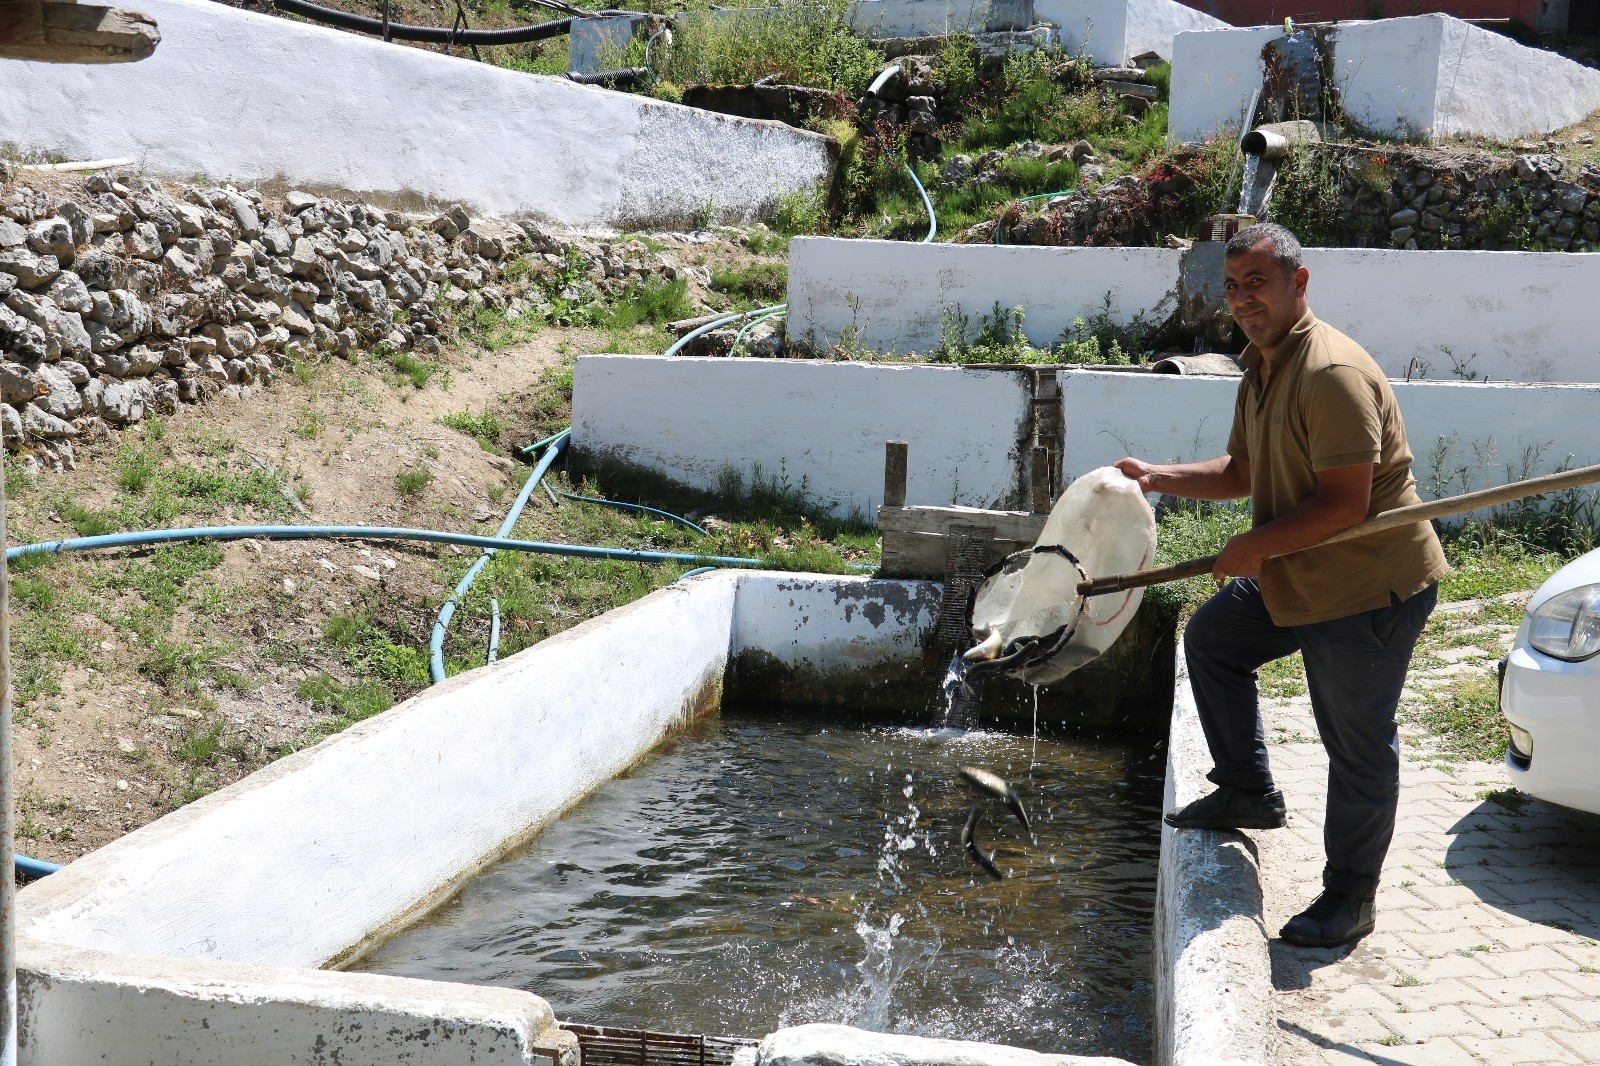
x,y
1558,704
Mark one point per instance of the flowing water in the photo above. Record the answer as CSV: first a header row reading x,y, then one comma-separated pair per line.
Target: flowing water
x,y
771,869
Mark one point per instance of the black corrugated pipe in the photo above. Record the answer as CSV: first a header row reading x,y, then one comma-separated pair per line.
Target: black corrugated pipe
x,y
625,76
429,34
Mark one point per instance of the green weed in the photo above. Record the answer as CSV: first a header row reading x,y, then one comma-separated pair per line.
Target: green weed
x,y
413,480
485,426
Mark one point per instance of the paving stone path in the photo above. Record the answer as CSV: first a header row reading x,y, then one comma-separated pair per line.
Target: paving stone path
x,y
1487,947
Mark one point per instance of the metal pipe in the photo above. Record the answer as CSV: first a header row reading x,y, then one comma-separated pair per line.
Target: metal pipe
x,y
1264,143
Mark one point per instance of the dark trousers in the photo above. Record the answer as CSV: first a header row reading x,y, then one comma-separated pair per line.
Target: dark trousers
x,y
1355,668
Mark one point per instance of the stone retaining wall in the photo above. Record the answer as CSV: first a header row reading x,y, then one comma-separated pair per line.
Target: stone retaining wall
x,y
122,298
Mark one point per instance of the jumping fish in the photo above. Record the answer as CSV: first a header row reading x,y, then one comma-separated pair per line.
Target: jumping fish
x,y
998,787
969,844
988,649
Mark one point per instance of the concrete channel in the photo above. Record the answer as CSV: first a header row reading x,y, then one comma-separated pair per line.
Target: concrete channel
x,y
217,932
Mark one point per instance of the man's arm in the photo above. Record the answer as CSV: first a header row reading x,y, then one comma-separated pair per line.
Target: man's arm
x,y
1343,495
1222,478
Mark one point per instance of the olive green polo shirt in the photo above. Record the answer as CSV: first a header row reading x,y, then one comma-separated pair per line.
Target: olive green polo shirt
x,y
1326,405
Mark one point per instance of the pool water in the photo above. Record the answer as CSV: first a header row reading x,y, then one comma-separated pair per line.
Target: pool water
x,y
771,869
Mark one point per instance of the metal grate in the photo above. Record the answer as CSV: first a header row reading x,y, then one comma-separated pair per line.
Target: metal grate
x,y
607,1045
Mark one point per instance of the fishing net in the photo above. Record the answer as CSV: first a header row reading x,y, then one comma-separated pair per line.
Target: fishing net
x,y
1027,616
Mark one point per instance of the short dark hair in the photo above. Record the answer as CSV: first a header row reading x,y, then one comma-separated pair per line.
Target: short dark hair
x,y
1285,245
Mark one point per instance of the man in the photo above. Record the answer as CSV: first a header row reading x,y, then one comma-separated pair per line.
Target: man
x,y
1318,445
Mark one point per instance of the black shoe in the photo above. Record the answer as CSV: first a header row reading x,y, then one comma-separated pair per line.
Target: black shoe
x,y
1332,919
1230,808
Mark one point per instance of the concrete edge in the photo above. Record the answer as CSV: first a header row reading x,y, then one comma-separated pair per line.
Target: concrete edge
x,y
821,1044
1214,992
193,1012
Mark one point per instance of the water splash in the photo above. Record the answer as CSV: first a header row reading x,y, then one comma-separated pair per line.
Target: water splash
x,y
1247,187
957,698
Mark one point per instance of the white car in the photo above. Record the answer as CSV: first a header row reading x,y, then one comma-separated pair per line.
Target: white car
x,y
1550,690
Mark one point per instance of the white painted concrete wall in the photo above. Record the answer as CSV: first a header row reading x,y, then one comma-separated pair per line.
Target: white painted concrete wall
x,y
1522,316
376,821
1465,435
79,1006
1215,75
893,296
801,620
1114,31
236,95
1491,86
879,19
1387,73
817,426
1153,24
1427,76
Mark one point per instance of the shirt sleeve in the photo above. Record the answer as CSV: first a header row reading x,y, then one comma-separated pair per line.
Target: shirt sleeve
x,y
1342,417
1238,446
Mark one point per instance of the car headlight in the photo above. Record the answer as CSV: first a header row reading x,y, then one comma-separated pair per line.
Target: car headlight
x,y
1567,626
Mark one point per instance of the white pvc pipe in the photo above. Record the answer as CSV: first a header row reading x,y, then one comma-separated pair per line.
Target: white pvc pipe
x,y
88,164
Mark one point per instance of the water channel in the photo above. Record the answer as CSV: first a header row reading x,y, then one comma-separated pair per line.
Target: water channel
x,y
775,868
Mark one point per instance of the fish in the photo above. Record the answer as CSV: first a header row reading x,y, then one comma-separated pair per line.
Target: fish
x,y
987,649
969,844
998,787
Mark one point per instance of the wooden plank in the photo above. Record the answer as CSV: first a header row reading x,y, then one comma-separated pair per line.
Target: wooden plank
x,y
1008,525
922,555
51,31
895,457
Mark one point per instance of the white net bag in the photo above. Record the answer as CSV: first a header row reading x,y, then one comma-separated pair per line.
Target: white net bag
x,y
1028,618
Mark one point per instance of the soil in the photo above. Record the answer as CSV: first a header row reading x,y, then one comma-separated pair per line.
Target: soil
x,y
105,741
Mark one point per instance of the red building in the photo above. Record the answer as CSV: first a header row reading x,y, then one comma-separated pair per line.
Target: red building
x,y
1558,16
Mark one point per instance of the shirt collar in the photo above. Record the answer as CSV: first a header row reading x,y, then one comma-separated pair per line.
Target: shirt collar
x,y
1250,359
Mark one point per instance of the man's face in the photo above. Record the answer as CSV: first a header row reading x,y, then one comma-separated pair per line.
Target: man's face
x,y
1264,301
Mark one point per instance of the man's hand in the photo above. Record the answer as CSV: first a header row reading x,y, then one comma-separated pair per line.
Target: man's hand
x,y
1242,556
1136,470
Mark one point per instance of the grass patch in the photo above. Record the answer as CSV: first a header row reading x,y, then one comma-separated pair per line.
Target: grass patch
x,y
1466,718
756,285
413,480
346,704
485,427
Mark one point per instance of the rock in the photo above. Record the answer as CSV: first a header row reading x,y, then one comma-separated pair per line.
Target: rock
x,y
176,313
1406,217
43,424
18,384
11,234
1569,197
296,201
143,242
53,236
233,342
69,293
1400,234
74,335
137,361
1092,172
30,270
243,213
102,271
1081,151
452,223
11,423
491,240
58,395
117,402
20,338
76,373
